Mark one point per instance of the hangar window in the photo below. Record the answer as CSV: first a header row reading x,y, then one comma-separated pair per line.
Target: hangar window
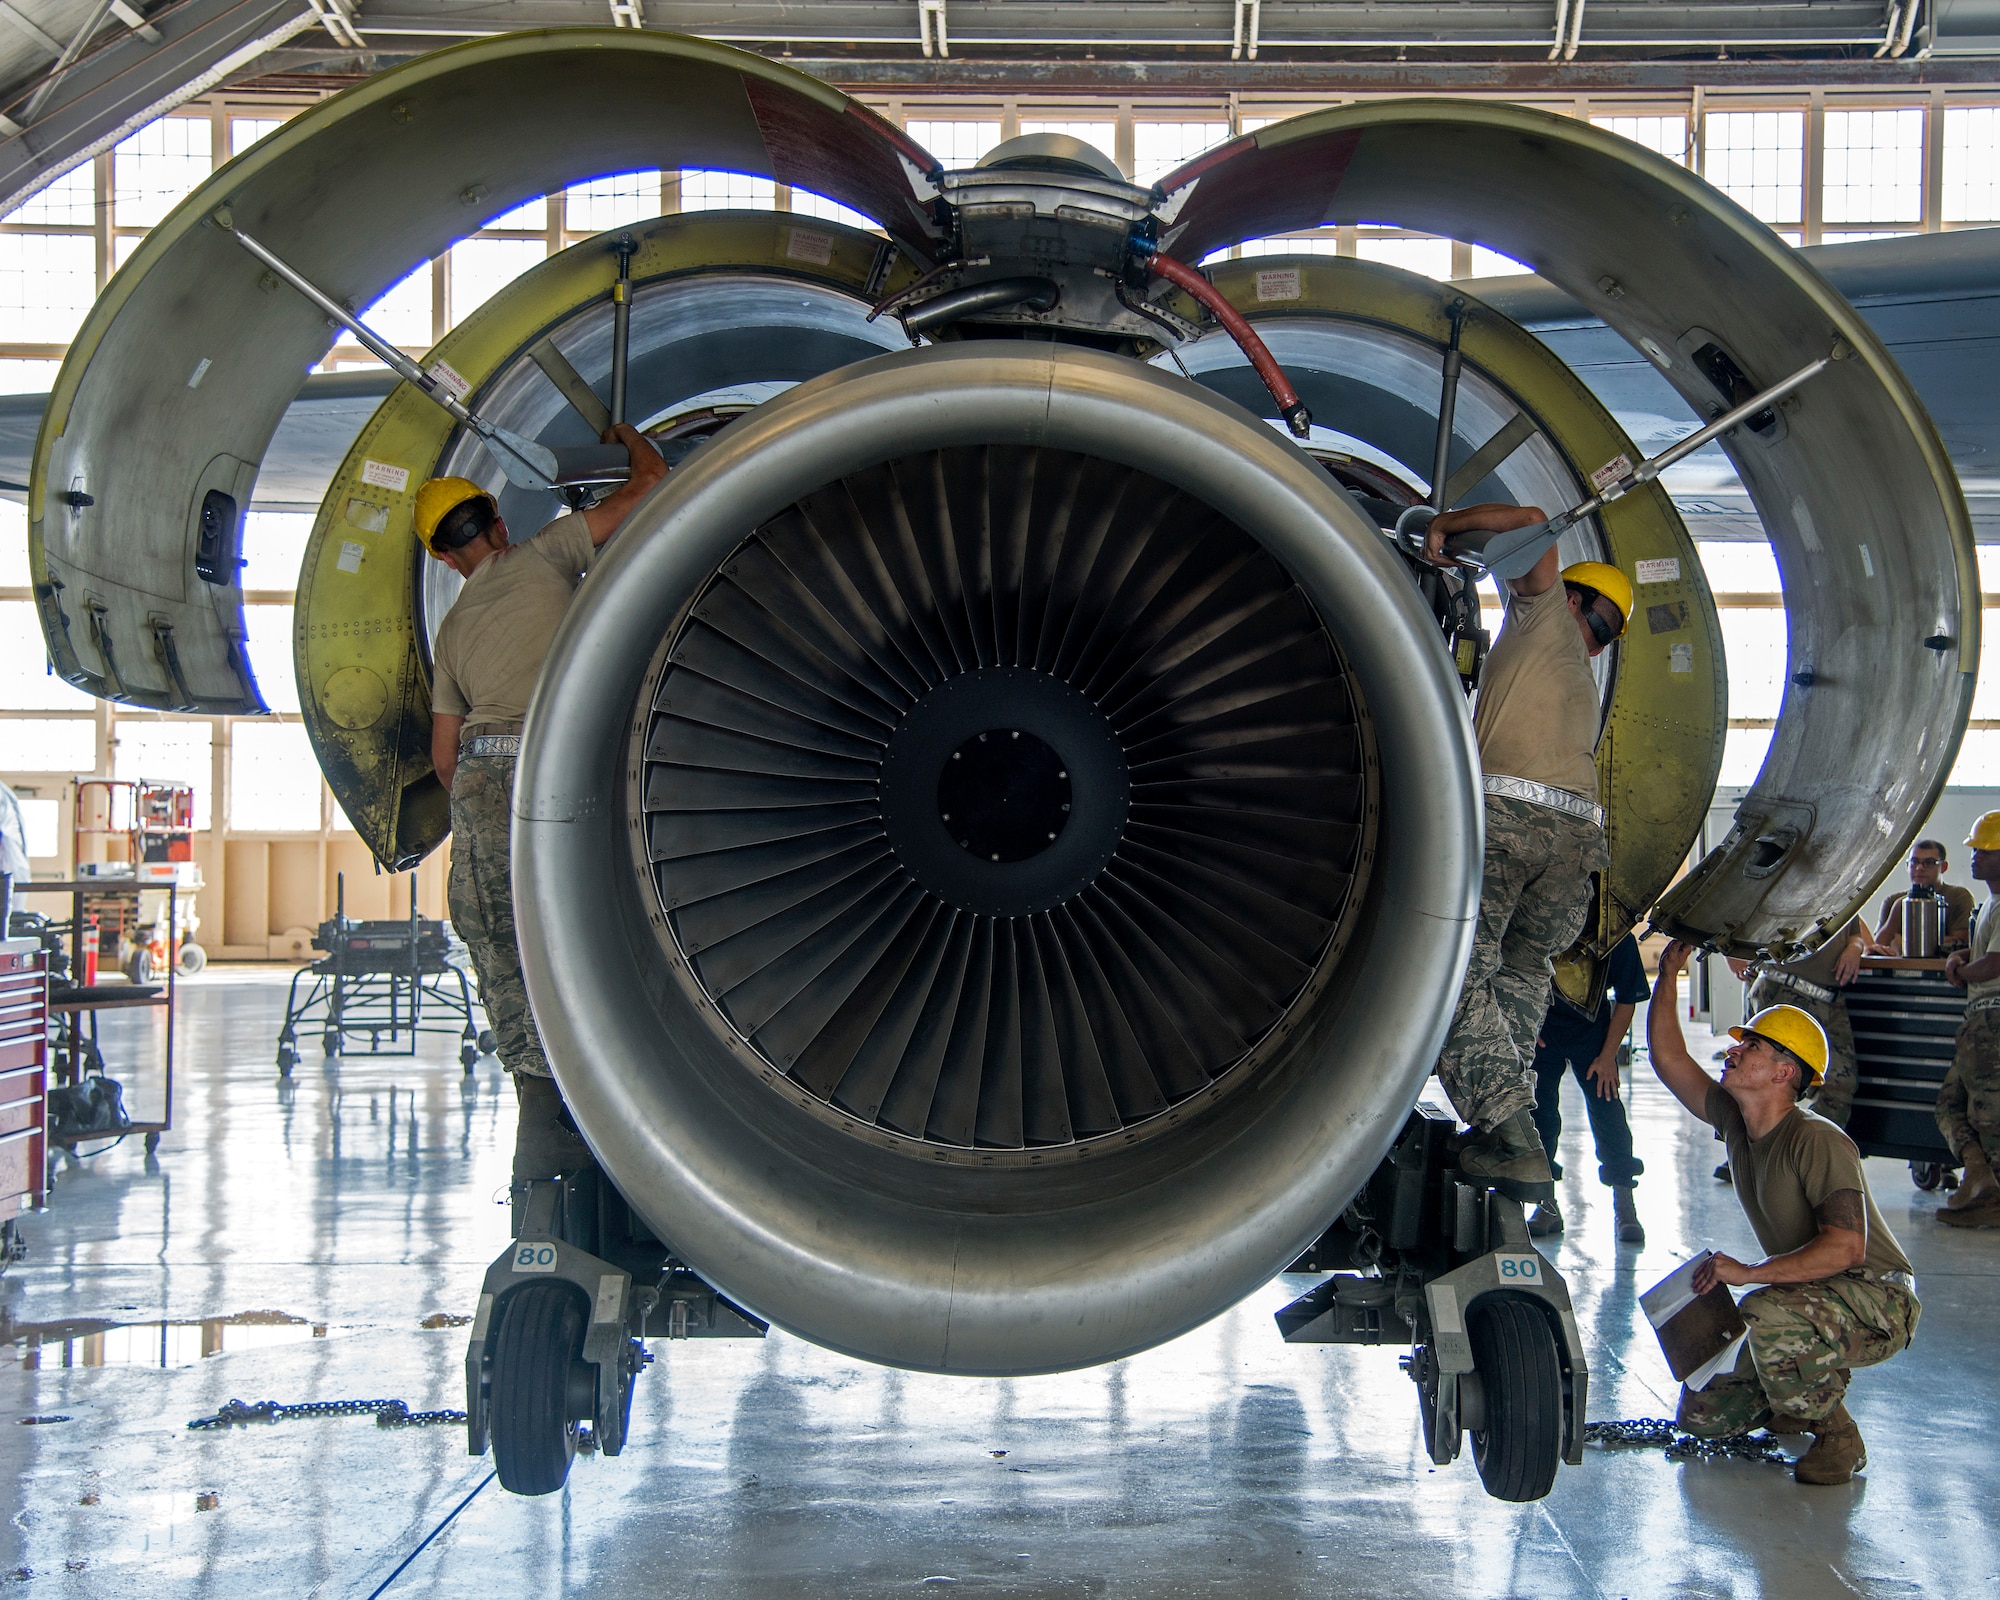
x,y
274,782
1758,159
176,752
246,131
726,191
28,377
613,202
955,142
403,314
808,204
269,646
1874,166
47,282
1492,264
481,268
1667,136
1431,257
51,744
1159,147
72,198
1971,164
530,216
157,167
1326,242
26,683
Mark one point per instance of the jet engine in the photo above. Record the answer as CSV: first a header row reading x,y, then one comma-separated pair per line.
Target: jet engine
x,y
997,837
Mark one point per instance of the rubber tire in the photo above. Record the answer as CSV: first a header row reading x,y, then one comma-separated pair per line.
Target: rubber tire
x,y
541,1334
1514,1351
1927,1175
193,959
330,1043
487,1042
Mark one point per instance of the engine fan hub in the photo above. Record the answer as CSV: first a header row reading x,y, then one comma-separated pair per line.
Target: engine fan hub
x,y
1004,791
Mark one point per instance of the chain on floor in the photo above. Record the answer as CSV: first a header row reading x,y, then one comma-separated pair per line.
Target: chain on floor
x,y
1646,1433
387,1413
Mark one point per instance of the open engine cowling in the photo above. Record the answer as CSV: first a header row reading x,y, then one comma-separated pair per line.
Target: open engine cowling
x,y
940,1109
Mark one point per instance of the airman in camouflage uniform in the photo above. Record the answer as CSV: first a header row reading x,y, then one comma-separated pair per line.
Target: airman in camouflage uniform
x,y
1804,1340
1968,1102
482,904
1536,720
486,658
1533,901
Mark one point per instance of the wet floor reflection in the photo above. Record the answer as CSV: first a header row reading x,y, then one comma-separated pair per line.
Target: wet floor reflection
x,y
92,1343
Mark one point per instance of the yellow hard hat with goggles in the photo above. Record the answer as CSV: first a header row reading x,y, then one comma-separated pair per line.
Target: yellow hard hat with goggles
x,y
438,499
1793,1031
1604,579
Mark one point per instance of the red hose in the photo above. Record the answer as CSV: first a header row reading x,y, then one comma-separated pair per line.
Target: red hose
x,y
1183,276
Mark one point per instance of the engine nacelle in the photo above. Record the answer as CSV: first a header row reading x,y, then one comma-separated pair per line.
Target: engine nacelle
x,y
996,848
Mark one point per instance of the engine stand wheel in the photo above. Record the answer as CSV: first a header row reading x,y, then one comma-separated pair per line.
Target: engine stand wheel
x,y
487,1042
1927,1175
330,1043
1520,1446
534,1430
467,1057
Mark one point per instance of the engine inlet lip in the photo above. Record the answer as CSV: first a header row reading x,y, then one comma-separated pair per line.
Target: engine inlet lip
x,y
982,701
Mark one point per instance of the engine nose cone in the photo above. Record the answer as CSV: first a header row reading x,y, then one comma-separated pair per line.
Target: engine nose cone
x,y
1004,795
1004,791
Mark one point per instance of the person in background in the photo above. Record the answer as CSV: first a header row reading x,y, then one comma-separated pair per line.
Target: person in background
x,y
1968,1102
1588,1046
1927,868
1837,1291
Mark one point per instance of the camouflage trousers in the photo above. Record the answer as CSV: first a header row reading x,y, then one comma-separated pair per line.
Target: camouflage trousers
x,y
1833,1099
1968,1102
1805,1338
1532,904
482,904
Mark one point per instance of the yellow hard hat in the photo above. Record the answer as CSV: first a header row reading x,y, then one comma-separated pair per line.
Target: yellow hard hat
x,y
1985,833
1607,581
1789,1029
439,498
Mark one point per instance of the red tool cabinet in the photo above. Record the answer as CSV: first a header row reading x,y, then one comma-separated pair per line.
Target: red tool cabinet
x,y
24,1033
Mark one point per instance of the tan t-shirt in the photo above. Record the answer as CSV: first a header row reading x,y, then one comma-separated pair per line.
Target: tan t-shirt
x,y
491,645
1784,1177
1985,940
1537,711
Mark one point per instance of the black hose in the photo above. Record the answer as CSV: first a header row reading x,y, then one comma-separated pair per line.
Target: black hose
x,y
1038,294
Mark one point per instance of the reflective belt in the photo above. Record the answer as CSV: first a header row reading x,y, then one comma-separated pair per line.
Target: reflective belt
x,y
491,744
1902,1280
1812,991
1987,1004
1542,794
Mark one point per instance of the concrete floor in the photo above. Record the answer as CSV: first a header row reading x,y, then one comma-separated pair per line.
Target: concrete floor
x,y
364,1200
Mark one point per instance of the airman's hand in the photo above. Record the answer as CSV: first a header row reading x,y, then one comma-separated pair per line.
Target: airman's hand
x,y
1953,965
1720,1269
1674,960
1847,965
1493,516
648,466
1603,1075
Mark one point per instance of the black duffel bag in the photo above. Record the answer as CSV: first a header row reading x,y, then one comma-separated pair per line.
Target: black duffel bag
x,y
92,1109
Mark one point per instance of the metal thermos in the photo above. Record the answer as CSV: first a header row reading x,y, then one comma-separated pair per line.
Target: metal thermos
x,y
1923,925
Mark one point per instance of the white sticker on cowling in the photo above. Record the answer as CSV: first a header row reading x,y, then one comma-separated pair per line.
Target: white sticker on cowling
x,y
384,476
1280,283
610,1297
448,380
351,556
1665,570
809,244
1444,1308
200,371
1807,532
1867,561
367,516
1608,474
1680,658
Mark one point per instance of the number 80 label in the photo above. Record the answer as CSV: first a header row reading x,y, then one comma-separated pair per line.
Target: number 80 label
x,y
1513,1269
535,1257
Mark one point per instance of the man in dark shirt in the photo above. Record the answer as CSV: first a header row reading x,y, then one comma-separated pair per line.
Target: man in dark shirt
x,y
1588,1046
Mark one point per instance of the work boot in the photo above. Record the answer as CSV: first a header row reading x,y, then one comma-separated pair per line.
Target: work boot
x,y
1980,1214
1548,1219
1625,1207
1722,1174
1510,1157
1837,1452
1786,1427
1978,1183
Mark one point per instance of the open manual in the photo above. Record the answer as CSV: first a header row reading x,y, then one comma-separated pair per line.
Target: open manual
x,y
1700,1334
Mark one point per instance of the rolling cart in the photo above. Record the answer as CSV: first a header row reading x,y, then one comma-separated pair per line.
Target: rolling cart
x,y
23,1088
373,983
1905,1019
